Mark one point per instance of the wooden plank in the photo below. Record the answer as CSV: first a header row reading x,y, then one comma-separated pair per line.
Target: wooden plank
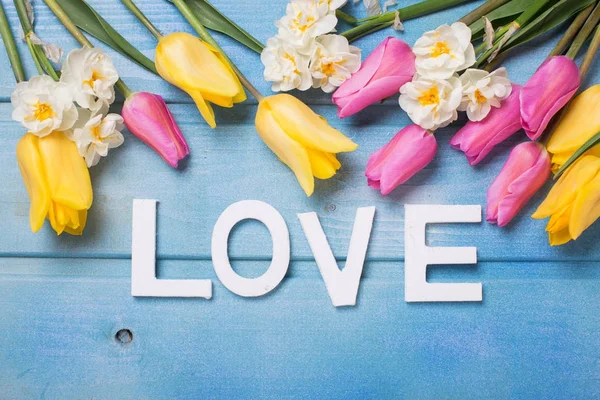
x,y
530,338
217,175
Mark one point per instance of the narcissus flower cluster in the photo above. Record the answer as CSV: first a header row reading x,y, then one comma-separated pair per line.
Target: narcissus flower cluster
x,y
304,53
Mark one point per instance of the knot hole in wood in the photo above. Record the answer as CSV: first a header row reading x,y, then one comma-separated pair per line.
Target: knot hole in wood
x,y
124,336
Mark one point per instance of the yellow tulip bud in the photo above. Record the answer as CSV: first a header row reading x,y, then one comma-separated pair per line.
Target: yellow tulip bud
x,y
57,181
301,139
580,122
573,204
200,70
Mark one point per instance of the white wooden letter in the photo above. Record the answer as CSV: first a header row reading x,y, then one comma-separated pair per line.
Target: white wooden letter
x,y
342,285
418,255
143,260
265,213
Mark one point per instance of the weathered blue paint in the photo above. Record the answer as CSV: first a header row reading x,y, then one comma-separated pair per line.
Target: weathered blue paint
x,y
62,299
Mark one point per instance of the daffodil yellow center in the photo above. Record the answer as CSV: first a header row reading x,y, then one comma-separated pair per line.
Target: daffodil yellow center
x,y
289,57
429,97
328,69
95,76
303,26
96,134
480,97
43,111
440,48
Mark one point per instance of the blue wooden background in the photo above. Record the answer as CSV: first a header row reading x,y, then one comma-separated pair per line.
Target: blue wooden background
x,y
62,299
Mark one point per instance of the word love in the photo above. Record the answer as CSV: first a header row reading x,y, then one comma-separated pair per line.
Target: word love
x,y
342,284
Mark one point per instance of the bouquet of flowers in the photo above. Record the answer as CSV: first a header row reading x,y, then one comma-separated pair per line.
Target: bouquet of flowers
x,y
450,69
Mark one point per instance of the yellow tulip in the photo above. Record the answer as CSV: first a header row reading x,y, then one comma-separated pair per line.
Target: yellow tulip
x,y
580,122
573,204
301,139
200,70
57,181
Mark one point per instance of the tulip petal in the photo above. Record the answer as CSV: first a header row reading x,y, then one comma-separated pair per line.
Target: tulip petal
x,y
192,65
290,152
66,171
546,92
586,208
384,71
205,109
560,219
321,165
307,128
564,191
411,150
477,139
147,116
32,171
523,173
580,122
559,238
372,93
522,189
241,95
78,230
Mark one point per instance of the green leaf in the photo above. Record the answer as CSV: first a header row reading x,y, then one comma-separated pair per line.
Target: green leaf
x,y
86,18
212,19
501,15
555,15
595,140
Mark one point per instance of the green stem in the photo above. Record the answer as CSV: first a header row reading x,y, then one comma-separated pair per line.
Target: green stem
x,y
375,23
347,18
23,17
11,47
520,22
571,31
123,88
80,37
33,53
583,70
143,19
42,64
482,10
207,37
45,63
585,32
590,54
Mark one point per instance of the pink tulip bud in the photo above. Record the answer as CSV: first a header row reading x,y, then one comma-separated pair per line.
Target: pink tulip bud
x,y
477,139
147,116
406,154
380,76
546,92
523,174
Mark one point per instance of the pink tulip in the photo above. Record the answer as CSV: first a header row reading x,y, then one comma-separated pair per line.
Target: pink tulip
x,y
406,154
523,174
546,92
146,115
381,75
477,139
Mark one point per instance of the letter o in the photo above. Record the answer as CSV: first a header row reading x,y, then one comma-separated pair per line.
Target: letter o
x,y
272,219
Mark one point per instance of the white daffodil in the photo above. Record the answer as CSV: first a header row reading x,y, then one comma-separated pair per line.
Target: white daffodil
x,y
329,6
482,91
431,103
43,106
285,67
303,23
99,134
444,51
91,75
333,61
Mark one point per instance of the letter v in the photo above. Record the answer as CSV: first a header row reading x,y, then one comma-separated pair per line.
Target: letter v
x,y
342,285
